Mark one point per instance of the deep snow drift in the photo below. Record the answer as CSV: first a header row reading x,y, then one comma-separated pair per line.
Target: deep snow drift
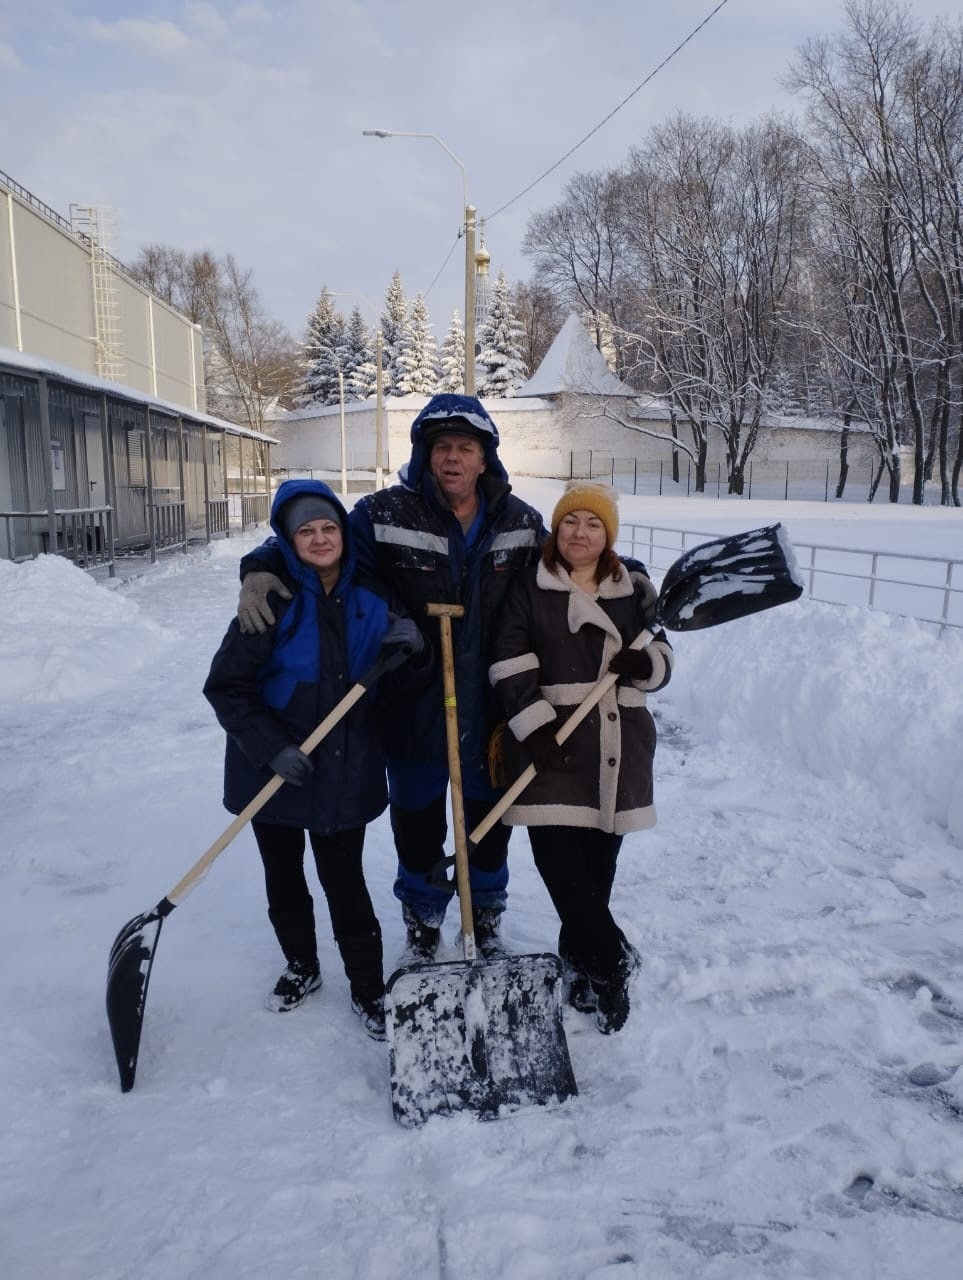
x,y
786,1100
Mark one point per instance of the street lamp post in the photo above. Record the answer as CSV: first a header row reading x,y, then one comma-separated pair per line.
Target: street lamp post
x,y
469,234
344,443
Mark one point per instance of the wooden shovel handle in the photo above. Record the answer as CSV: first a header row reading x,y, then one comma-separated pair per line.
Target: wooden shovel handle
x,y
444,613
354,694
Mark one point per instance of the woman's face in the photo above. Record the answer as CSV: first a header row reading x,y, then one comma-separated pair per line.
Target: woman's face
x,y
319,543
580,539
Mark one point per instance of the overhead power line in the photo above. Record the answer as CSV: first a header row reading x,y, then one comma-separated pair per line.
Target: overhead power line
x,y
628,98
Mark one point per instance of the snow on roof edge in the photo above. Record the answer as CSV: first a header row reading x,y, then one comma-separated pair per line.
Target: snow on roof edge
x,y
64,373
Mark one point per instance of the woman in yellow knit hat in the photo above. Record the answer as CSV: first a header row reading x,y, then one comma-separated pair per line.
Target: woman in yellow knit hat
x,y
564,625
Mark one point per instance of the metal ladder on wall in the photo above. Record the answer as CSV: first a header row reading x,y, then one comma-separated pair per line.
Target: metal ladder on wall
x,y
94,224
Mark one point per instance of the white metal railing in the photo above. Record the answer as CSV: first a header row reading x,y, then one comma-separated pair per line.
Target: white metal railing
x,y
928,588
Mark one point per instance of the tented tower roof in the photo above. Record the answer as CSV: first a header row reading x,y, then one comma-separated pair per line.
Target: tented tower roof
x,y
574,364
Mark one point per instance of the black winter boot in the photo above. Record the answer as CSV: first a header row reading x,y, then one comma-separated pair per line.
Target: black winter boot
x,y
633,960
612,996
296,934
370,1008
612,1008
488,938
294,985
422,941
578,984
581,995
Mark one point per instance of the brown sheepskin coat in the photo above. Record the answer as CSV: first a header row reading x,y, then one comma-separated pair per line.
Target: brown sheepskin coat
x,y
553,644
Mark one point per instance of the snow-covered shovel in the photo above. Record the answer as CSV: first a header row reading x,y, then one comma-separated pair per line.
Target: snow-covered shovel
x,y
477,1035
714,582
132,954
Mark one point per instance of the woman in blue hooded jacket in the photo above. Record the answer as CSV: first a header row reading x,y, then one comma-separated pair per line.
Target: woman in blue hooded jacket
x,y
269,691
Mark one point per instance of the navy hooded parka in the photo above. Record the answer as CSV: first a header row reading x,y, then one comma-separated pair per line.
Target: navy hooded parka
x,y
271,690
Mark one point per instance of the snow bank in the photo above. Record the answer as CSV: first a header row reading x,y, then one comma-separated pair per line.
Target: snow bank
x,y
841,691
65,637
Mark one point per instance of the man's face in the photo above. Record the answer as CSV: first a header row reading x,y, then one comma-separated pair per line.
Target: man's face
x,y
456,462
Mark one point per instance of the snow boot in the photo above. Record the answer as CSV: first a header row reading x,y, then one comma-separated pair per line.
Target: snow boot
x,y
370,1008
577,983
632,960
612,997
295,933
422,940
294,985
488,938
581,995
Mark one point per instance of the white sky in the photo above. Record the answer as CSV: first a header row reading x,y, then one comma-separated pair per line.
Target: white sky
x,y
238,127
784,1101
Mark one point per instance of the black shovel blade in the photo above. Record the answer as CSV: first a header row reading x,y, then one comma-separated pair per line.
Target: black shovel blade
x,y
128,973
483,1036
728,578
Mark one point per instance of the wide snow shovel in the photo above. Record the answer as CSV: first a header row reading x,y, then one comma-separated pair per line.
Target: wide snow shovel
x,y
477,1035
132,954
714,582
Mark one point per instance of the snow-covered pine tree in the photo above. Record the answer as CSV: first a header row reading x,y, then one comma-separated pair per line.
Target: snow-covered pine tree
x,y
323,353
451,363
500,369
394,317
418,355
360,375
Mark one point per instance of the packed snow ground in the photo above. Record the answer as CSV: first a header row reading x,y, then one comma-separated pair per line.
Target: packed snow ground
x,y
786,1100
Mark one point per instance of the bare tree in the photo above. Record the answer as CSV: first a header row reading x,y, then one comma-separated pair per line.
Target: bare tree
x,y
713,217
933,89
856,85
579,250
541,314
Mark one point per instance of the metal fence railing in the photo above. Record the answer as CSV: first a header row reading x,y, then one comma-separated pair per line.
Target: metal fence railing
x,y
81,534
928,588
798,481
170,526
219,516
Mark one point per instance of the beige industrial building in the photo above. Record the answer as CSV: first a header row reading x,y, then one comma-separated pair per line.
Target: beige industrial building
x,y
105,444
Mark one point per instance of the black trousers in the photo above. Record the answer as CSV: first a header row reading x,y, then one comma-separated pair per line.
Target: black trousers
x,y
291,907
577,866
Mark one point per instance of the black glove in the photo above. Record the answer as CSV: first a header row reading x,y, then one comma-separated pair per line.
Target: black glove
x,y
254,614
404,631
546,753
293,766
635,663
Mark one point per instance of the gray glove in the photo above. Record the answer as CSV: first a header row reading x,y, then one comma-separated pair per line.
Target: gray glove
x,y
254,614
293,766
403,631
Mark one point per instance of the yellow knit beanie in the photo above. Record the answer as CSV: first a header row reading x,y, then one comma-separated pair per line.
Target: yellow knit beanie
x,y
590,495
